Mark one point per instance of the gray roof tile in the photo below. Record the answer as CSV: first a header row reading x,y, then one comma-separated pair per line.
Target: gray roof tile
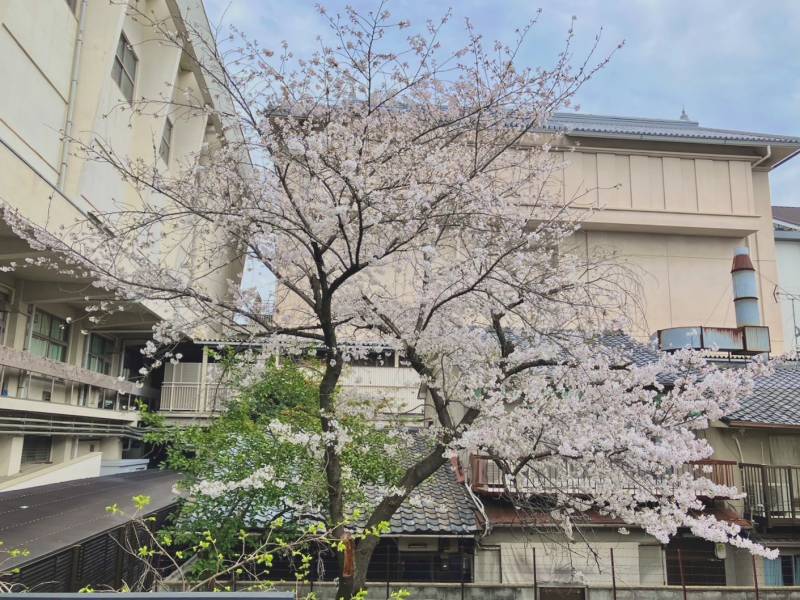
x,y
775,399
667,129
440,505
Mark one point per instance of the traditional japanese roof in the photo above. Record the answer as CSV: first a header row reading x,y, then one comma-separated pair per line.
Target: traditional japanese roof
x,y
576,124
637,353
775,400
439,506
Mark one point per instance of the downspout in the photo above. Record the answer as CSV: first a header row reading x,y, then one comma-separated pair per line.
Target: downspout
x,y
73,88
755,164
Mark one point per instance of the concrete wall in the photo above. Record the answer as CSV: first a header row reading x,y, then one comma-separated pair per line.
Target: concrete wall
x,y
449,591
81,467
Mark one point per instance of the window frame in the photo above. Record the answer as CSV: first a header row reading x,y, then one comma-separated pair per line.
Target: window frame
x,y
48,339
100,360
166,140
119,64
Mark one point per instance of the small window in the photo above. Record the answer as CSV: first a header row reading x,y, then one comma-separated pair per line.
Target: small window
x,y
36,449
166,141
124,69
49,336
100,355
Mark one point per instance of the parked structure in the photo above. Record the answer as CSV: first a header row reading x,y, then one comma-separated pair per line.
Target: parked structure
x,y
69,387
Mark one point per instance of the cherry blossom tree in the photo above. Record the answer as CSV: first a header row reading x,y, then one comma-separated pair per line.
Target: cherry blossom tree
x,y
405,196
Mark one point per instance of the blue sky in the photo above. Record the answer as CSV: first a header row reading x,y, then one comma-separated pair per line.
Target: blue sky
x,y
733,64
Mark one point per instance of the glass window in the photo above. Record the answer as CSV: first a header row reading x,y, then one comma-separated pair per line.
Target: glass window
x,y
5,308
49,336
166,140
123,71
100,355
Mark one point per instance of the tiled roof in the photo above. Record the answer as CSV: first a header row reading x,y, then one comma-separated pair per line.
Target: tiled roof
x,y
775,400
666,129
440,505
637,353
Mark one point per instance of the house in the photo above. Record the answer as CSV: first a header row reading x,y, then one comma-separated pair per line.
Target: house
x,y
68,386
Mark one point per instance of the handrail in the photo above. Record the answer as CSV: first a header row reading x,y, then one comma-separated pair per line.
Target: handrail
x,y
772,493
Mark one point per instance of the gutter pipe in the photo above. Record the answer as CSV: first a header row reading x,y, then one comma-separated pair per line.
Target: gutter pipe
x,y
73,88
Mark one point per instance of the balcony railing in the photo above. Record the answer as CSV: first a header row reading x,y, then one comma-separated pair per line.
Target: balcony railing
x,y
773,494
721,472
25,376
485,477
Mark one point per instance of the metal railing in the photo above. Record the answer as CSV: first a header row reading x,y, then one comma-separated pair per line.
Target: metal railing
x,y
773,493
486,477
24,376
194,397
721,472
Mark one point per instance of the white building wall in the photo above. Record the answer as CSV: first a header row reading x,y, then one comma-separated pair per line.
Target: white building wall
x,y
788,254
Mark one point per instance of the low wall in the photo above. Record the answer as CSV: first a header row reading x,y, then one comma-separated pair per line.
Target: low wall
x,y
476,591
82,467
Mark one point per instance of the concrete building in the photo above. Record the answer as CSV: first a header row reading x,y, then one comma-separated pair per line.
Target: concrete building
x,y
72,69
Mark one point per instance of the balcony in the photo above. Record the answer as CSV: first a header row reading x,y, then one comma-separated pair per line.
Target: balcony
x,y
773,494
199,389
31,384
485,477
721,472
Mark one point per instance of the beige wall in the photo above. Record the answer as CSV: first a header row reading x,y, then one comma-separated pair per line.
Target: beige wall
x,y
674,217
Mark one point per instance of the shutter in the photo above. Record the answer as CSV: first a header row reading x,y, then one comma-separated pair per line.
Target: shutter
x,y
36,449
772,572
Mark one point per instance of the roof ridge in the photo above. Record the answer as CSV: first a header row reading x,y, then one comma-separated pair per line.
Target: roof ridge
x,y
621,118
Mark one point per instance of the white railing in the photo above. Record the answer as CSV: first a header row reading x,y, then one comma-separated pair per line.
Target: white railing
x,y
184,392
484,476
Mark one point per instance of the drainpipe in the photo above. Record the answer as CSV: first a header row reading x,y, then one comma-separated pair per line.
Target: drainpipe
x,y
73,88
755,164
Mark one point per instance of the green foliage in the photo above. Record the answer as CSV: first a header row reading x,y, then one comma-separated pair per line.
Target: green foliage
x,y
247,437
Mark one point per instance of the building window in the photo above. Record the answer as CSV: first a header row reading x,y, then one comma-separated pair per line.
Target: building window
x,y
5,310
124,69
784,570
49,336
100,354
166,141
36,449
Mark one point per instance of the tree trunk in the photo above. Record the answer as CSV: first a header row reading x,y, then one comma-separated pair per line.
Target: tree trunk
x,y
353,581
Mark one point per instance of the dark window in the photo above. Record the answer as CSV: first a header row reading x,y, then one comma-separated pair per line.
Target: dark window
x,y
124,69
5,309
49,336
787,569
36,449
100,355
693,562
166,141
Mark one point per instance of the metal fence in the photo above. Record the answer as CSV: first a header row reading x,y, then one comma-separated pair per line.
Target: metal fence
x,y
100,561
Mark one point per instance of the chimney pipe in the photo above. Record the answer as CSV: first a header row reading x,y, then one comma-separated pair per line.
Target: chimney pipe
x,y
745,289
